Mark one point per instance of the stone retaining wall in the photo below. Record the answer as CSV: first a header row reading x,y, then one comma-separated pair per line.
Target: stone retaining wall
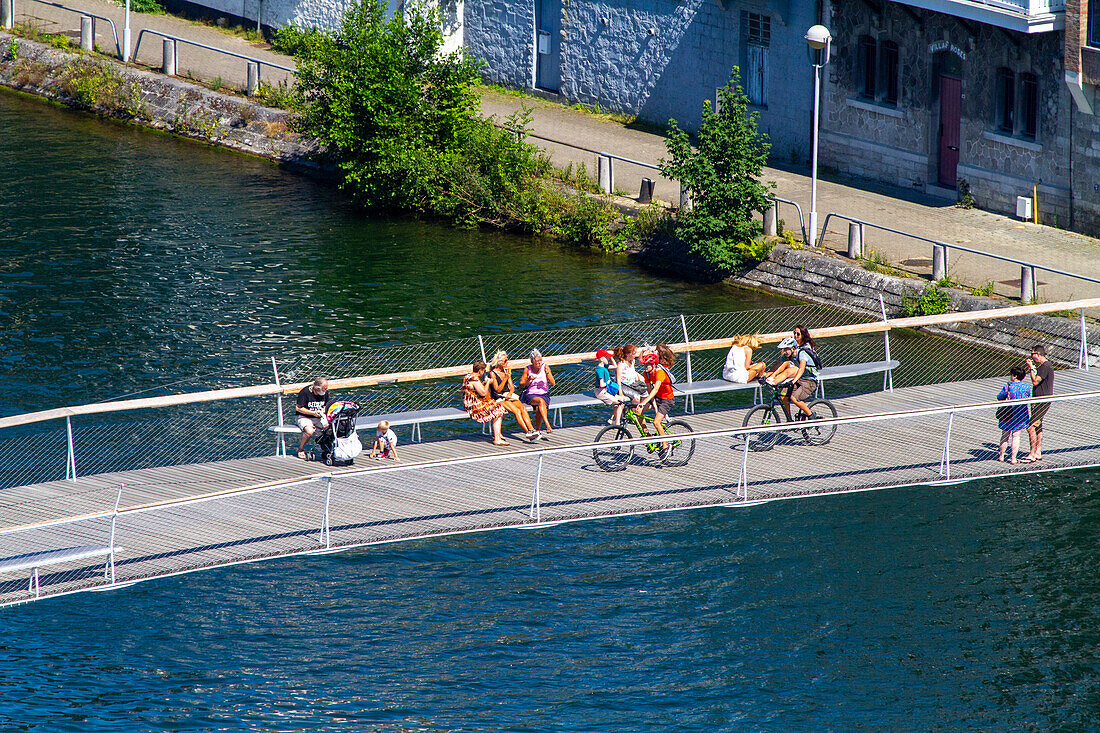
x,y
157,101
837,282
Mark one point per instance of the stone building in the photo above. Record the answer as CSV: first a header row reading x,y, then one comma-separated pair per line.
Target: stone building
x,y
945,95
657,59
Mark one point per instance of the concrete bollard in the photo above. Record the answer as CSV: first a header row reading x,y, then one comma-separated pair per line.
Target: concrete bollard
x,y
7,14
855,240
939,262
685,199
604,174
253,78
87,33
646,194
168,62
1027,285
771,221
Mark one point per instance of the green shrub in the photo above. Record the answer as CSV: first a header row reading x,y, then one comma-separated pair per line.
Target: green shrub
x,y
722,171
295,41
95,85
929,302
276,95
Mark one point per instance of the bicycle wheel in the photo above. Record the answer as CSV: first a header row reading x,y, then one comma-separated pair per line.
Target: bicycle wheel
x,y
762,416
819,434
613,457
680,446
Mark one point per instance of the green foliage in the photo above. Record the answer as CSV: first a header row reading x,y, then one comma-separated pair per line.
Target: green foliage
x,y
650,223
297,42
217,83
966,198
96,85
276,95
722,172
152,7
578,178
13,49
929,302
877,262
985,290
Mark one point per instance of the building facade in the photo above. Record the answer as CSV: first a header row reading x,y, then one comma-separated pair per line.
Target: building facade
x,y
656,59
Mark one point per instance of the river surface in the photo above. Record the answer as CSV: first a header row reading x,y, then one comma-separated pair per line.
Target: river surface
x,y
132,259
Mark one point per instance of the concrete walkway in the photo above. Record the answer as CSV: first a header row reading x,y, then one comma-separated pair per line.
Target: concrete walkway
x,y
578,130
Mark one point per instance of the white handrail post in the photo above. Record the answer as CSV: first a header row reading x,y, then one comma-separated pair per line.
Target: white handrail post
x,y
945,457
280,442
743,478
687,349
888,377
536,499
481,343
326,528
70,461
126,36
1083,357
111,544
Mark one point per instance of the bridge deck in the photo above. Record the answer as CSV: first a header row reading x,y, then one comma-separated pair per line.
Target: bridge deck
x,y
382,504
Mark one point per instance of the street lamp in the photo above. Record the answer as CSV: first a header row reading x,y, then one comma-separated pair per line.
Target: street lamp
x,y
820,42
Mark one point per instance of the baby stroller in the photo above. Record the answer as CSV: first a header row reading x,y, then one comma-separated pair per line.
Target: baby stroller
x,y
339,442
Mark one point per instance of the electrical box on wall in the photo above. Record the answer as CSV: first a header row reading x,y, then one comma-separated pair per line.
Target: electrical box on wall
x,y
1023,207
544,42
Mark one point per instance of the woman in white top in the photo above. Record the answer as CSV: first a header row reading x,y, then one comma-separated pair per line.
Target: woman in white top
x,y
631,384
739,367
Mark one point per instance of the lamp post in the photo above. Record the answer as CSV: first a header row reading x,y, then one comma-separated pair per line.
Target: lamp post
x,y
820,42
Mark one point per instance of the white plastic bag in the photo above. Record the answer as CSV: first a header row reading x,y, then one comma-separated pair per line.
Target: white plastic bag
x,y
346,449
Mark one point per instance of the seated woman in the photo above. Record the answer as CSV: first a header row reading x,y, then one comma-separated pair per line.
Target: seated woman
x,y
503,390
631,384
478,402
739,367
536,382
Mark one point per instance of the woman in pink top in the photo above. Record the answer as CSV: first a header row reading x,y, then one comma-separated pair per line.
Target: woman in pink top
x,y
536,382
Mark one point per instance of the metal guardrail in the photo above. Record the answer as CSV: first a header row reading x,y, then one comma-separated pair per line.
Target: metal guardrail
x,y
939,255
177,39
93,16
775,224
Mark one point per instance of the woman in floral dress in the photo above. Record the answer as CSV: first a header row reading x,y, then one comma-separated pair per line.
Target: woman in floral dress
x,y
477,401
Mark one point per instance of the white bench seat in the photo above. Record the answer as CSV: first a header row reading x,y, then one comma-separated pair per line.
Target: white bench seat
x,y
35,560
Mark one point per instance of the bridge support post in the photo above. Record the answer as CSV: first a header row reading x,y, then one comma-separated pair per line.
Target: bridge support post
x,y
687,350
326,531
280,442
1083,357
70,459
109,570
536,499
888,376
945,457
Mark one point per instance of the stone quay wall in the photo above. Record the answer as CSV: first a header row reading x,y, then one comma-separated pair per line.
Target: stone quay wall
x,y
834,281
156,101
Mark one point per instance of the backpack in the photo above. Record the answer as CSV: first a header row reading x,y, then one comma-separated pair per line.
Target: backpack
x,y
810,352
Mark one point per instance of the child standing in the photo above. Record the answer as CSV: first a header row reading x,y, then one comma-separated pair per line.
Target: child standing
x,y
607,389
385,442
1011,420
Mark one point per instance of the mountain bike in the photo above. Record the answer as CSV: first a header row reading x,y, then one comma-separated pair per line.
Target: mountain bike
x,y
771,413
677,451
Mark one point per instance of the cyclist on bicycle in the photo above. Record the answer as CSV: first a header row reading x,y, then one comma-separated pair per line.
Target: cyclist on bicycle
x,y
659,380
797,373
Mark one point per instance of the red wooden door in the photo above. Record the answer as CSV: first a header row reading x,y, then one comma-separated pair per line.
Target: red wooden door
x,y
950,113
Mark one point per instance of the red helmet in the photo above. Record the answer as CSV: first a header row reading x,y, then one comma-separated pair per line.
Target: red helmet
x,y
650,358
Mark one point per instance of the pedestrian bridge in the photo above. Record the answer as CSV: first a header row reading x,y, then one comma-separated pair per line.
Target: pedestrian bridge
x,y
155,513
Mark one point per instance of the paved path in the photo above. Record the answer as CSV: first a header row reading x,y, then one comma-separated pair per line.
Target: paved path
x,y
897,208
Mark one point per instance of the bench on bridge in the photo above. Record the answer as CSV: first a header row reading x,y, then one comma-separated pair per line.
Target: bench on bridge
x,y
35,560
588,399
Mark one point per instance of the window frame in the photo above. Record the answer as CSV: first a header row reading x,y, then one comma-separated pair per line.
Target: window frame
x,y
1028,116
868,66
890,55
1005,104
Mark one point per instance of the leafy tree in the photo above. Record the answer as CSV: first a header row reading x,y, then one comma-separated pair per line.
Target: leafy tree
x,y
722,174
386,101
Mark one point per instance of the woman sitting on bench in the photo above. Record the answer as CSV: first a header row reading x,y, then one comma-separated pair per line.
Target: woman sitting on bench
x,y
739,367
503,390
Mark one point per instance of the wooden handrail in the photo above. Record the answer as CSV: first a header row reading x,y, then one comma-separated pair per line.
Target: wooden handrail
x,y
263,390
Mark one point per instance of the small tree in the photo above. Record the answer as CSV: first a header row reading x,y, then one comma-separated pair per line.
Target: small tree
x,y
722,174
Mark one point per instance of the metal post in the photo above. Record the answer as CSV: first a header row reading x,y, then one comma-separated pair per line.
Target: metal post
x,y
481,343
939,262
743,478
536,499
168,63
685,198
70,461
888,377
1083,358
604,173
326,530
111,558
813,177
771,220
280,441
945,457
687,350
7,14
253,74
1027,284
855,240
87,33
126,35
645,195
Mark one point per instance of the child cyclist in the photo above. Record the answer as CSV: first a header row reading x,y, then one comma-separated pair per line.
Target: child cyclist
x,y
658,380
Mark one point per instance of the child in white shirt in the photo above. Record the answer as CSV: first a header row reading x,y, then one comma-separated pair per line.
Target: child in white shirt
x,y
385,442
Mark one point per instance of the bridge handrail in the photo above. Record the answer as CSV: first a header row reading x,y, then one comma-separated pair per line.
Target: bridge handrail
x,y
578,448
264,390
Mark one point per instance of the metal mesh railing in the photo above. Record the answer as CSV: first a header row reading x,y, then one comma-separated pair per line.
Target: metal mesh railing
x,y
543,486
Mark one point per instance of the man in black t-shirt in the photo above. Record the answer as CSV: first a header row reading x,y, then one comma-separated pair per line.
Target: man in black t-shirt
x,y
1042,380
310,409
